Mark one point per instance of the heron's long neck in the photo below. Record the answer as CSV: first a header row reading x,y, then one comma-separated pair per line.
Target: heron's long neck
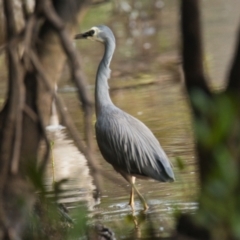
x,y
102,97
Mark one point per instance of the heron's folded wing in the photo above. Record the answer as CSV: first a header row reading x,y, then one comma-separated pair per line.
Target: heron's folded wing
x,y
129,145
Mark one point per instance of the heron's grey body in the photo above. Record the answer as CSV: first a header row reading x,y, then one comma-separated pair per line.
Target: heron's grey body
x,y
124,141
130,146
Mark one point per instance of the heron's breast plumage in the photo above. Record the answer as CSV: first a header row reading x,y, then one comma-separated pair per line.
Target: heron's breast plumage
x,y
130,146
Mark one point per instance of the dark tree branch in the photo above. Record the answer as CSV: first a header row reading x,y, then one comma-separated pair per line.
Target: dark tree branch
x,y
15,96
192,46
27,42
29,112
61,106
25,10
11,121
71,52
28,32
234,76
193,71
9,16
27,45
77,75
19,102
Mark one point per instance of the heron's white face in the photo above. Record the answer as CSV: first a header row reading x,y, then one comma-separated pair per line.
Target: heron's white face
x,y
96,35
100,33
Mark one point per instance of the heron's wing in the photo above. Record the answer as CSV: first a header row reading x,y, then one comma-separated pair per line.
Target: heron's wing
x,y
130,146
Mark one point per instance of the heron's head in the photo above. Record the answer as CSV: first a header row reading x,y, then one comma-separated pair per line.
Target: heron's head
x,y
100,33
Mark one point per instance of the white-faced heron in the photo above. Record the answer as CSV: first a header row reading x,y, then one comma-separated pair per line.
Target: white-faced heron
x,y
124,141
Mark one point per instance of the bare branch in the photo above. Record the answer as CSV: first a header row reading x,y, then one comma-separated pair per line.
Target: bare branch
x,y
28,36
11,130
21,96
77,74
71,52
20,102
8,12
12,124
30,113
65,117
193,69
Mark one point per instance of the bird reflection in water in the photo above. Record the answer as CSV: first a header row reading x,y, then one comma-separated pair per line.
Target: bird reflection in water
x,y
69,164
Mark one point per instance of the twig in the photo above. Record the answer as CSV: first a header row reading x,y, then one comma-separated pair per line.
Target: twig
x,y
30,113
31,23
61,106
21,95
53,163
20,103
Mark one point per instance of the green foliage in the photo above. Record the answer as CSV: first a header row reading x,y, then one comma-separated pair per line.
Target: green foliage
x,y
79,228
217,131
218,116
50,220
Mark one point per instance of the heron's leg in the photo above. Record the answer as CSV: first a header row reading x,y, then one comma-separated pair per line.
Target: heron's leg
x,y
140,196
131,200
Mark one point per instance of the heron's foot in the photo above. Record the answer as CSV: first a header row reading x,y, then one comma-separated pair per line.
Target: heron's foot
x,y
145,207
